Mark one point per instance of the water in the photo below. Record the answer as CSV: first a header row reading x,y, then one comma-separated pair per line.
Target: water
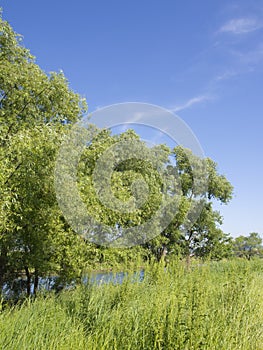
x,y
50,283
112,277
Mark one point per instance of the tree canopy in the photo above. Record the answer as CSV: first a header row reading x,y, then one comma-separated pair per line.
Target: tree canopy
x,y
248,246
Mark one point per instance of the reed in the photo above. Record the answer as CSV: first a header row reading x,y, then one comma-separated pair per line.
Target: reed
x,y
217,305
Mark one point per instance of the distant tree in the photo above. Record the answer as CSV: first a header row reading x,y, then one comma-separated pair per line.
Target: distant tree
x,y
248,246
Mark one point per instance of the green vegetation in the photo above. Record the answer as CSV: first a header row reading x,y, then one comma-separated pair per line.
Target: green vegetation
x,y
203,304
37,111
218,305
34,106
248,246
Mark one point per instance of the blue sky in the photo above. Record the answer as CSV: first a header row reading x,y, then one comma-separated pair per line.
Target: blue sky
x,y
201,59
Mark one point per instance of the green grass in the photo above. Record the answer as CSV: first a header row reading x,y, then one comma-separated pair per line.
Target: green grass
x,y
212,306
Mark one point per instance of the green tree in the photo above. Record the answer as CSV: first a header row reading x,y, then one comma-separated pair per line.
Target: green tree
x,y
123,177
194,181
36,113
248,246
209,241
34,108
195,229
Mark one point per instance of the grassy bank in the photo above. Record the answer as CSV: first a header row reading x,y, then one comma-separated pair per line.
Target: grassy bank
x,y
211,306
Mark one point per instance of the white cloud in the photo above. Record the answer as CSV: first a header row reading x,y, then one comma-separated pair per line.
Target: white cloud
x,y
191,102
251,57
226,75
241,26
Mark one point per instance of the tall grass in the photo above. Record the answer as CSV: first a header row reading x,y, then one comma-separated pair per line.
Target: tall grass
x,y
211,306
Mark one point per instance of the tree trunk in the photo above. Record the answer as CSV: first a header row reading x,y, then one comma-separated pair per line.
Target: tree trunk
x,y
162,253
188,253
3,267
28,281
36,280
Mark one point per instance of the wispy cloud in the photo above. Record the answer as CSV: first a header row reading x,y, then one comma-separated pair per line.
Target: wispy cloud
x,y
192,101
226,75
241,26
254,56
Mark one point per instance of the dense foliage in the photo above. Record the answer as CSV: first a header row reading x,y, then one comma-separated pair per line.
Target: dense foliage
x,y
33,109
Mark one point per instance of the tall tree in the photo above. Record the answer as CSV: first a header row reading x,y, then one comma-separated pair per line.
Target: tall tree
x,y
194,182
195,230
34,107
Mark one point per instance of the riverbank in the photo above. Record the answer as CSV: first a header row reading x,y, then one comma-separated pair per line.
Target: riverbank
x,y
212,306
